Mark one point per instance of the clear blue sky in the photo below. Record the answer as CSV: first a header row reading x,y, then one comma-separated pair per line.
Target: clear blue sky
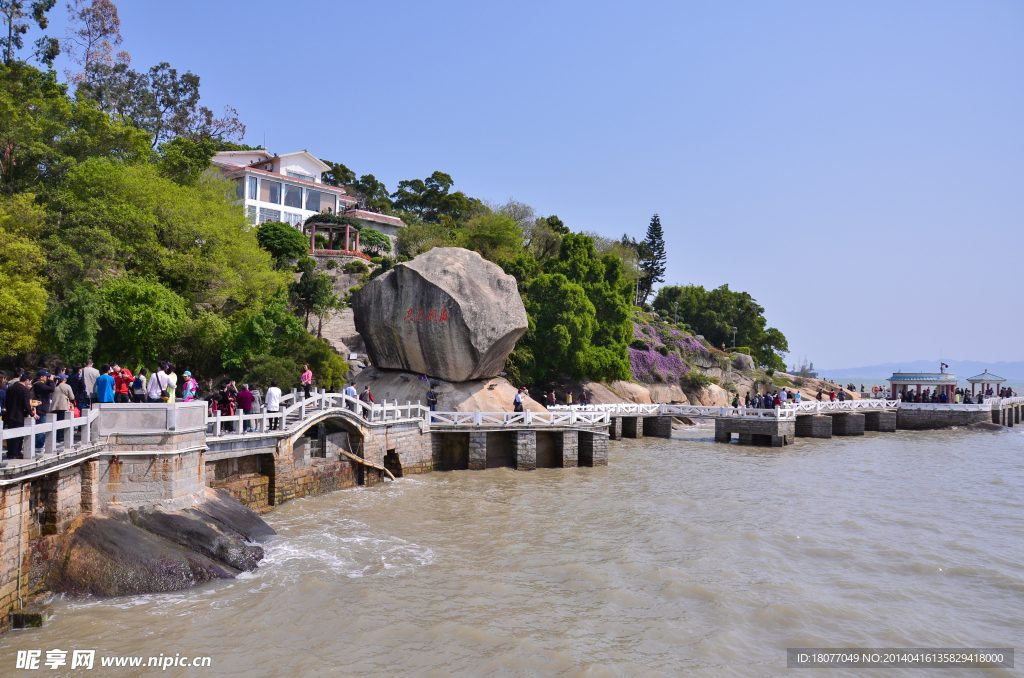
x,y
858,167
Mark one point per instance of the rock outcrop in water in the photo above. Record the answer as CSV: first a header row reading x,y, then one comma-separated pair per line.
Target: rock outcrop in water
x,y
152,550
449,314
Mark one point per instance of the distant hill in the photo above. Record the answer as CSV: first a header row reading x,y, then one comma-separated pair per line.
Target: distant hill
x,y
962,368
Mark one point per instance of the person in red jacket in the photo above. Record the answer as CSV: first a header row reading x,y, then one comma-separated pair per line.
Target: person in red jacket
x,y
123,381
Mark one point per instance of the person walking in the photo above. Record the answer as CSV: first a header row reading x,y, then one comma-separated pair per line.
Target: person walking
x,y
226,406
189,389
432,399
273,404
105,386
245,400
568,398
350,391
583,398
42,392
517,402
832,395
306,380
90,374
18,408
63,404
552,401
123,382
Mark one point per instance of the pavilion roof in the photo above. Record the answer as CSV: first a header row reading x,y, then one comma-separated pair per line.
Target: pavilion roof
x,y
923,378
986,377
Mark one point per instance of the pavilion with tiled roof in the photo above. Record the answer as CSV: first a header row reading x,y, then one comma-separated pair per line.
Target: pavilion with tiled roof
x,y
986,379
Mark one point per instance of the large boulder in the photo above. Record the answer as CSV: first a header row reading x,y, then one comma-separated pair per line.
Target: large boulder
x,y
448,313
742,362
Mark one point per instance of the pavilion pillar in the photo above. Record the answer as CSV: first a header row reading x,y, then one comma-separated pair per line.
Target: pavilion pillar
x,y
919,389
357,242
346,238
330,239
312,237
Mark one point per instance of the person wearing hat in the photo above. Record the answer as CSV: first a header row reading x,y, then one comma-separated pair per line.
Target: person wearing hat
x,y
63,402
190,388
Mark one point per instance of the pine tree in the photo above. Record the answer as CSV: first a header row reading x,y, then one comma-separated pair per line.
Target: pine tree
x,y
652,259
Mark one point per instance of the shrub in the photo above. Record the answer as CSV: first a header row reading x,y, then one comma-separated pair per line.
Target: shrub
x,y
332,264
740,349
375,261
663,350
355,267
694,380
640,345
268,368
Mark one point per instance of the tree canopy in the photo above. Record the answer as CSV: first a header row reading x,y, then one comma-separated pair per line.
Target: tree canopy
x,y
713,314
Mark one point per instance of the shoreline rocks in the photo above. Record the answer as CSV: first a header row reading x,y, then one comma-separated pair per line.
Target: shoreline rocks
x,y
152,550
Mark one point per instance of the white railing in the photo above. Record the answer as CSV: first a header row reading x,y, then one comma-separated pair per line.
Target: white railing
x,y
525,419
77,433
973,407
299,409
843,406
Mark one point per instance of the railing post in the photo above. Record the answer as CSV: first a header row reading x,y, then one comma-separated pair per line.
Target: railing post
x,y
31,439
216,423
476,417
3,458
69,435
529,417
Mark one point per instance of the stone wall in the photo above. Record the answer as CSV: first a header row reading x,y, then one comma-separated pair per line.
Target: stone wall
x,y
911,420
172,480
880,421
847,424
14,513
658,427
767,432
593,449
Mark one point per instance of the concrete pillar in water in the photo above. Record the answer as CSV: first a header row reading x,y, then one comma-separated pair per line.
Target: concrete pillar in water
x,y
477,450
526,450
813,426
658,427
632,427
847,424
883,421
568,441
593,449
615,428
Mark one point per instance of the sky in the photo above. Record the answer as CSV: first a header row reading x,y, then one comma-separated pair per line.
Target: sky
x,y
858,167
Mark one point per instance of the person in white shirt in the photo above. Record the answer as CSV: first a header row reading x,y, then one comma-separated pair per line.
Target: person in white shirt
x,y
350,391
783,396
273,404
158,382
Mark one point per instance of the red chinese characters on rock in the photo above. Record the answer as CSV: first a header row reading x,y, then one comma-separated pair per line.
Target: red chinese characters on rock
x,y
433,315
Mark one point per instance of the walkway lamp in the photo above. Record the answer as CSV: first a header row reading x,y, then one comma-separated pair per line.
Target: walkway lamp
x,y
734,337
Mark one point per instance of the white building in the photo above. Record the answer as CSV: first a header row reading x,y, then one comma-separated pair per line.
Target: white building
x,y
289,188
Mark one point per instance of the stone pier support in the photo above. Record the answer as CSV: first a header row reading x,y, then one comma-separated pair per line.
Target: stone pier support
x,y
593,450
477,450
658,427
847,424
813,426
526,450
568,445
615,428
764,432
880,421
632,427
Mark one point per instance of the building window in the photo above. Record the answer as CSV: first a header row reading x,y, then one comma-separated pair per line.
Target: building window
x,y
269,215
270,191
250,213
254,187
292,218
293,196
240,188
319,201
299,175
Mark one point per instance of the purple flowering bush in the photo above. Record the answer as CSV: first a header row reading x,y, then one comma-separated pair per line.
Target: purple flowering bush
x,y
662,355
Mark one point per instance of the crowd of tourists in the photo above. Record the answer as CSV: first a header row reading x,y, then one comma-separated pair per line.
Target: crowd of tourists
x,y
960,396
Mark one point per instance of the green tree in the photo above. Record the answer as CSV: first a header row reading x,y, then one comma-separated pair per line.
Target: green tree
x,y
372,240
72,323
22,292
713,314
266,369
338,175
419,237
373,193
313,292
260,331
141,319
652,259
564,321
192,238
283,241
494,236
17,18
430,199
